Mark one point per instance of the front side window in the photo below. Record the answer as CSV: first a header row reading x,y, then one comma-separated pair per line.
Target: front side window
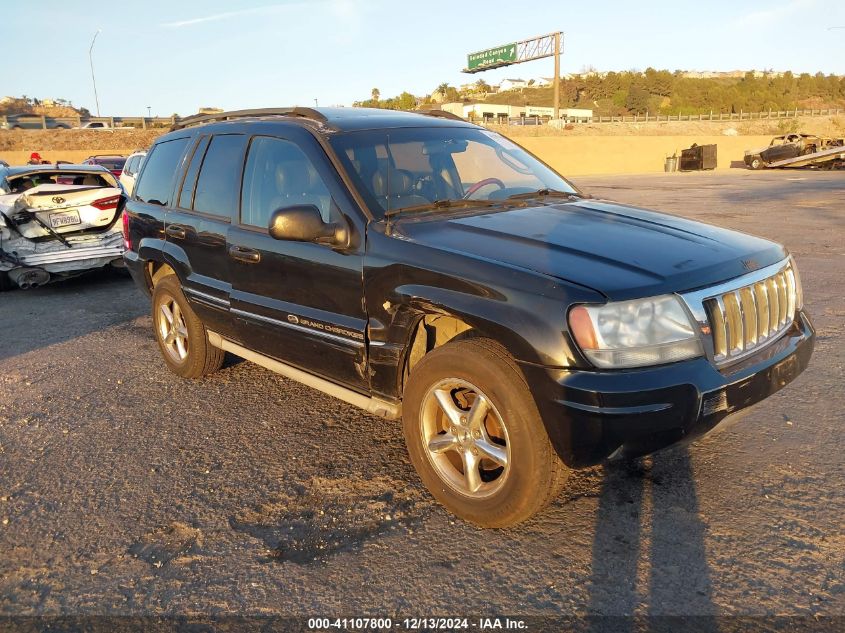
x,y
156,183
407,167
220,175
279,174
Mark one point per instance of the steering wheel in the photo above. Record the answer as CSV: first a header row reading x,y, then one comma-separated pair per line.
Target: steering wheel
x,y
482,183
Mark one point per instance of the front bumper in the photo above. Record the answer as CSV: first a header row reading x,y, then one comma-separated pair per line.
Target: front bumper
x,y
593,415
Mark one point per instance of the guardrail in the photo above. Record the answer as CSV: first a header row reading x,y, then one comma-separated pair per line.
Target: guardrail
x,y
718,116
662,118
41,122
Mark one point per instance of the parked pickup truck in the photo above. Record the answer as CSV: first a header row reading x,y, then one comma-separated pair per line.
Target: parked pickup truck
x,y
429,270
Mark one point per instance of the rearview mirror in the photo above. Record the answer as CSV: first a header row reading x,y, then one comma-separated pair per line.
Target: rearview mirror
x,y
303,223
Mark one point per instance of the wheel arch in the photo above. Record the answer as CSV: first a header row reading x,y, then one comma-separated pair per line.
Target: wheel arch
x,y
432,329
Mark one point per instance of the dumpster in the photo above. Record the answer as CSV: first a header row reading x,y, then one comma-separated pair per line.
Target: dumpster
x,y
698,157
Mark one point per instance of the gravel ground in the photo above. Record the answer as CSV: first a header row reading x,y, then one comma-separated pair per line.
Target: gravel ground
x,y
126,490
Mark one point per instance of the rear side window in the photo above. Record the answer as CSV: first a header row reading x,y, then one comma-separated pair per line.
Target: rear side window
x,y
187,194
219,182
156,184
134,164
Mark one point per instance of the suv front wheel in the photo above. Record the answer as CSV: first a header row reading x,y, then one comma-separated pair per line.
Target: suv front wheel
x,y
180,334
475,436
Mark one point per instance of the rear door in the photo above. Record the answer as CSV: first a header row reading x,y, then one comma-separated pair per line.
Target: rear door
x,y
154,192
197,224
298,302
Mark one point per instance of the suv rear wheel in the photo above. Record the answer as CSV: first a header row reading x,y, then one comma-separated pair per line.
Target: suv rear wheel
x,y
475,436
181,336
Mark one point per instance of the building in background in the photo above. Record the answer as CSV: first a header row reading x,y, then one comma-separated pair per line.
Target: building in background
x,y
512,84
503,112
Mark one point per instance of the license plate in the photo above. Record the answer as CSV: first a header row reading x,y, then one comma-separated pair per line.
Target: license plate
x,y
65,218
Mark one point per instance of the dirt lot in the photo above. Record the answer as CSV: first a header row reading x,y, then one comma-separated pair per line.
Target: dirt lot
x,y
126,490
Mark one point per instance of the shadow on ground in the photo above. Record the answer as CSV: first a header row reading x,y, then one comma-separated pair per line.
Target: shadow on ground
x,y
648,548
58,312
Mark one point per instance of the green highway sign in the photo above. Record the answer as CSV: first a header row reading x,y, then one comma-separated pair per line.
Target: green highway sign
x,y
499,55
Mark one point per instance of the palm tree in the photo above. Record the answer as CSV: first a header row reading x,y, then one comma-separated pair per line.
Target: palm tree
x,y
376,93
442,88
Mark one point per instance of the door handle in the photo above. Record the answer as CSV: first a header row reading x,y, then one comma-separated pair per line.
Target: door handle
x,y
174,230
245,255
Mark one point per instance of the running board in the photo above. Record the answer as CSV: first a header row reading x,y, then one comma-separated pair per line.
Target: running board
x,y
375,406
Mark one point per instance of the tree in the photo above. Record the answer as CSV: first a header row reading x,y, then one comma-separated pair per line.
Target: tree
x,y
376,93
637,99
406,101
482,86
443,89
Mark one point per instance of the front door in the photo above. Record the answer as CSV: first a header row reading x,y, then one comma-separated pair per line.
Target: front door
x,y
298,302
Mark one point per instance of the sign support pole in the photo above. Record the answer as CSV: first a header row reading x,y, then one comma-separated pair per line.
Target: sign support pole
x,y
557,76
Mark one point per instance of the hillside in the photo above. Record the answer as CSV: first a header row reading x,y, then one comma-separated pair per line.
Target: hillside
x,y
667,93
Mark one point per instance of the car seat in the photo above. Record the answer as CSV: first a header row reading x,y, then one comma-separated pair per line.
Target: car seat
x,y
394,188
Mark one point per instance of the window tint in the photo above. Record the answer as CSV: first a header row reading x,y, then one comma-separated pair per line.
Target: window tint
x,y
218,184
187,193
156,185
279,174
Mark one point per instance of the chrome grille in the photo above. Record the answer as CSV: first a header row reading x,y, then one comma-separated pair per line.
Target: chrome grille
x,y
745,318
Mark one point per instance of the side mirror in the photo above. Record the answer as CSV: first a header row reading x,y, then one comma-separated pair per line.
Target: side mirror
x,y
303,223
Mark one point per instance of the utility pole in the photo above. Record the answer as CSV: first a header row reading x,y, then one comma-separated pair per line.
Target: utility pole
x,y
557,76
91,61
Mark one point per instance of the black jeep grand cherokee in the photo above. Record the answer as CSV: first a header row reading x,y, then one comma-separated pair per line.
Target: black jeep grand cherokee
x,y
425,268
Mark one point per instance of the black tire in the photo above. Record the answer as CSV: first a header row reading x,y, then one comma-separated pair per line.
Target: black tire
x,y
200,357
534,474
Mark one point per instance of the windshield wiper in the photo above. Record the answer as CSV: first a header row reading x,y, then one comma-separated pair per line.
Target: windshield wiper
x,y
545,193
460,203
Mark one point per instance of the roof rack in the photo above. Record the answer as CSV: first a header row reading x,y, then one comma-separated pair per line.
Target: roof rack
x,y
200,119
443,114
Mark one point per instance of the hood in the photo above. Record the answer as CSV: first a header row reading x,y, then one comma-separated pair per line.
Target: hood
x,y
620,251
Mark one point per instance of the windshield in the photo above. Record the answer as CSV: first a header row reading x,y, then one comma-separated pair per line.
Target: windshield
x,y
415,167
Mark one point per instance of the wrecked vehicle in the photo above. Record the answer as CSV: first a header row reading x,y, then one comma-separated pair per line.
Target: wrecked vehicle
x,y
785,147
57,222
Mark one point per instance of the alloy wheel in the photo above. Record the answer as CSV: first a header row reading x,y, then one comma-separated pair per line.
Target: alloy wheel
x,y
173,330
465,438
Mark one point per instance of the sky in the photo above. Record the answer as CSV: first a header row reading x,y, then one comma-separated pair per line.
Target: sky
x,y
175,57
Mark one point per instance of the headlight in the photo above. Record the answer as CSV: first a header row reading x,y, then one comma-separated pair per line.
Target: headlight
x,y
635,333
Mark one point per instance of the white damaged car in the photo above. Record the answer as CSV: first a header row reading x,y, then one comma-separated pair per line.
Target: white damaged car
x,y
58,222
